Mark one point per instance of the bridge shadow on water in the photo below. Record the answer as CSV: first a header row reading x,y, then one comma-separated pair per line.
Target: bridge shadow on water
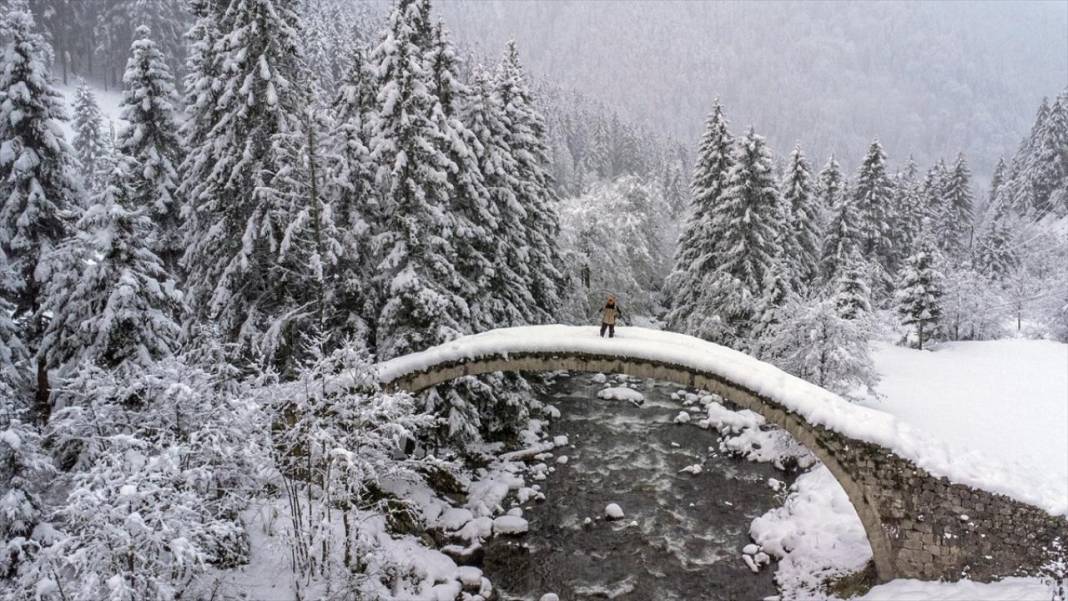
x,y
682,534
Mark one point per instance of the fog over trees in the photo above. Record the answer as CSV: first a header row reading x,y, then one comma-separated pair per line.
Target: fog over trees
x,y
926,78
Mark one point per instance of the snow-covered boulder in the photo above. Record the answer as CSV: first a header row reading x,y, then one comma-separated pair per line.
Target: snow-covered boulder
x,y
470,577
509,525
613,512
682,418
622,393
550,597
691,469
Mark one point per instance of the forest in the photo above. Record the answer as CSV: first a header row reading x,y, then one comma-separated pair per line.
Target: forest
x,y
293,191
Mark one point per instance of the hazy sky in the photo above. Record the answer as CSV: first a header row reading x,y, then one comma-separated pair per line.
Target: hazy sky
x,y
926,78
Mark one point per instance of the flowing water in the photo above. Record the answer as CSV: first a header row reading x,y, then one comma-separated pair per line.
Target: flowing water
x,y
682,534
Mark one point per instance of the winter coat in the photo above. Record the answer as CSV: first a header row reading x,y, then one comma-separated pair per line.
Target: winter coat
x,y
609,314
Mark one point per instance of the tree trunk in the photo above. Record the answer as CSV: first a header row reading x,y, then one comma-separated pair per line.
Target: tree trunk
x,y
42,400
919,334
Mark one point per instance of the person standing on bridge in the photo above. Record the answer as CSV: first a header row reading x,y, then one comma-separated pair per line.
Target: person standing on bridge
x,y
609,315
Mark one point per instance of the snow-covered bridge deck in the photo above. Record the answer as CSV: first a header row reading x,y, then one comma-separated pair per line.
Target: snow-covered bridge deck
x,y
928,512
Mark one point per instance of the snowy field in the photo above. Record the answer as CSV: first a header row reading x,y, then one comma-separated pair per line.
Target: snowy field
x,y
1006,400
1003,398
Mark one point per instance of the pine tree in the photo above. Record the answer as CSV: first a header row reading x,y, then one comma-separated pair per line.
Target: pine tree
x,y
953,224
90,138
873,198
843,230
245,113
150,144
112,303
852,294
803,219
748,228
38,179
695,257
919,296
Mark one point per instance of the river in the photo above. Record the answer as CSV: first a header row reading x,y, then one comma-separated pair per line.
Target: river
x,y
682,534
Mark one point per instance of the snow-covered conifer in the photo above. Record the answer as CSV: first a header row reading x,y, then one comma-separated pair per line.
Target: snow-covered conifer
x,y
803,219
873,199
748,228
509,282
526,139
37,171
852,293
248,95
417,280
112,302
39,190
920,292
695,257
349,186
953,223
843,234
90,137
151,143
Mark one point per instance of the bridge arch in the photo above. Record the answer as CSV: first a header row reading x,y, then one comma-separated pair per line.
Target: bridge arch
x,y
913,520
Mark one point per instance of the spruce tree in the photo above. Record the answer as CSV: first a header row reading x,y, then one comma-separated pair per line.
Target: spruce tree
x,y
417,280
509,291
908,213
920,291
695,257
534,192
953,223
150,144
245,113
38,175
748,228
873,198
804,215
112,302
852,294
474,215
843,229
90,138
349,187
1048,171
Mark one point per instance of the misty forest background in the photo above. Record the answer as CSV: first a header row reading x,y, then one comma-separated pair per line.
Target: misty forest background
x,y
299,188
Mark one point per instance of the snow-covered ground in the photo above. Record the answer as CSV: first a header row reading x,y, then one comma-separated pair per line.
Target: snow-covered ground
x,y
108,101
955,459
1005,399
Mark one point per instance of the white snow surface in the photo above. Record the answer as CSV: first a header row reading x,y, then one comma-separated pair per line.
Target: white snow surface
x,y
622,393
1002,398
1009,589
954,459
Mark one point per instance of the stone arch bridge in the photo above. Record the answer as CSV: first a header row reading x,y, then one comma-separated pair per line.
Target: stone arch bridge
x,y
925,517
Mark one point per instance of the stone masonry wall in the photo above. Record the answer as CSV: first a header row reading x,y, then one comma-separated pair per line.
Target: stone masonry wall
x,y
941,530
